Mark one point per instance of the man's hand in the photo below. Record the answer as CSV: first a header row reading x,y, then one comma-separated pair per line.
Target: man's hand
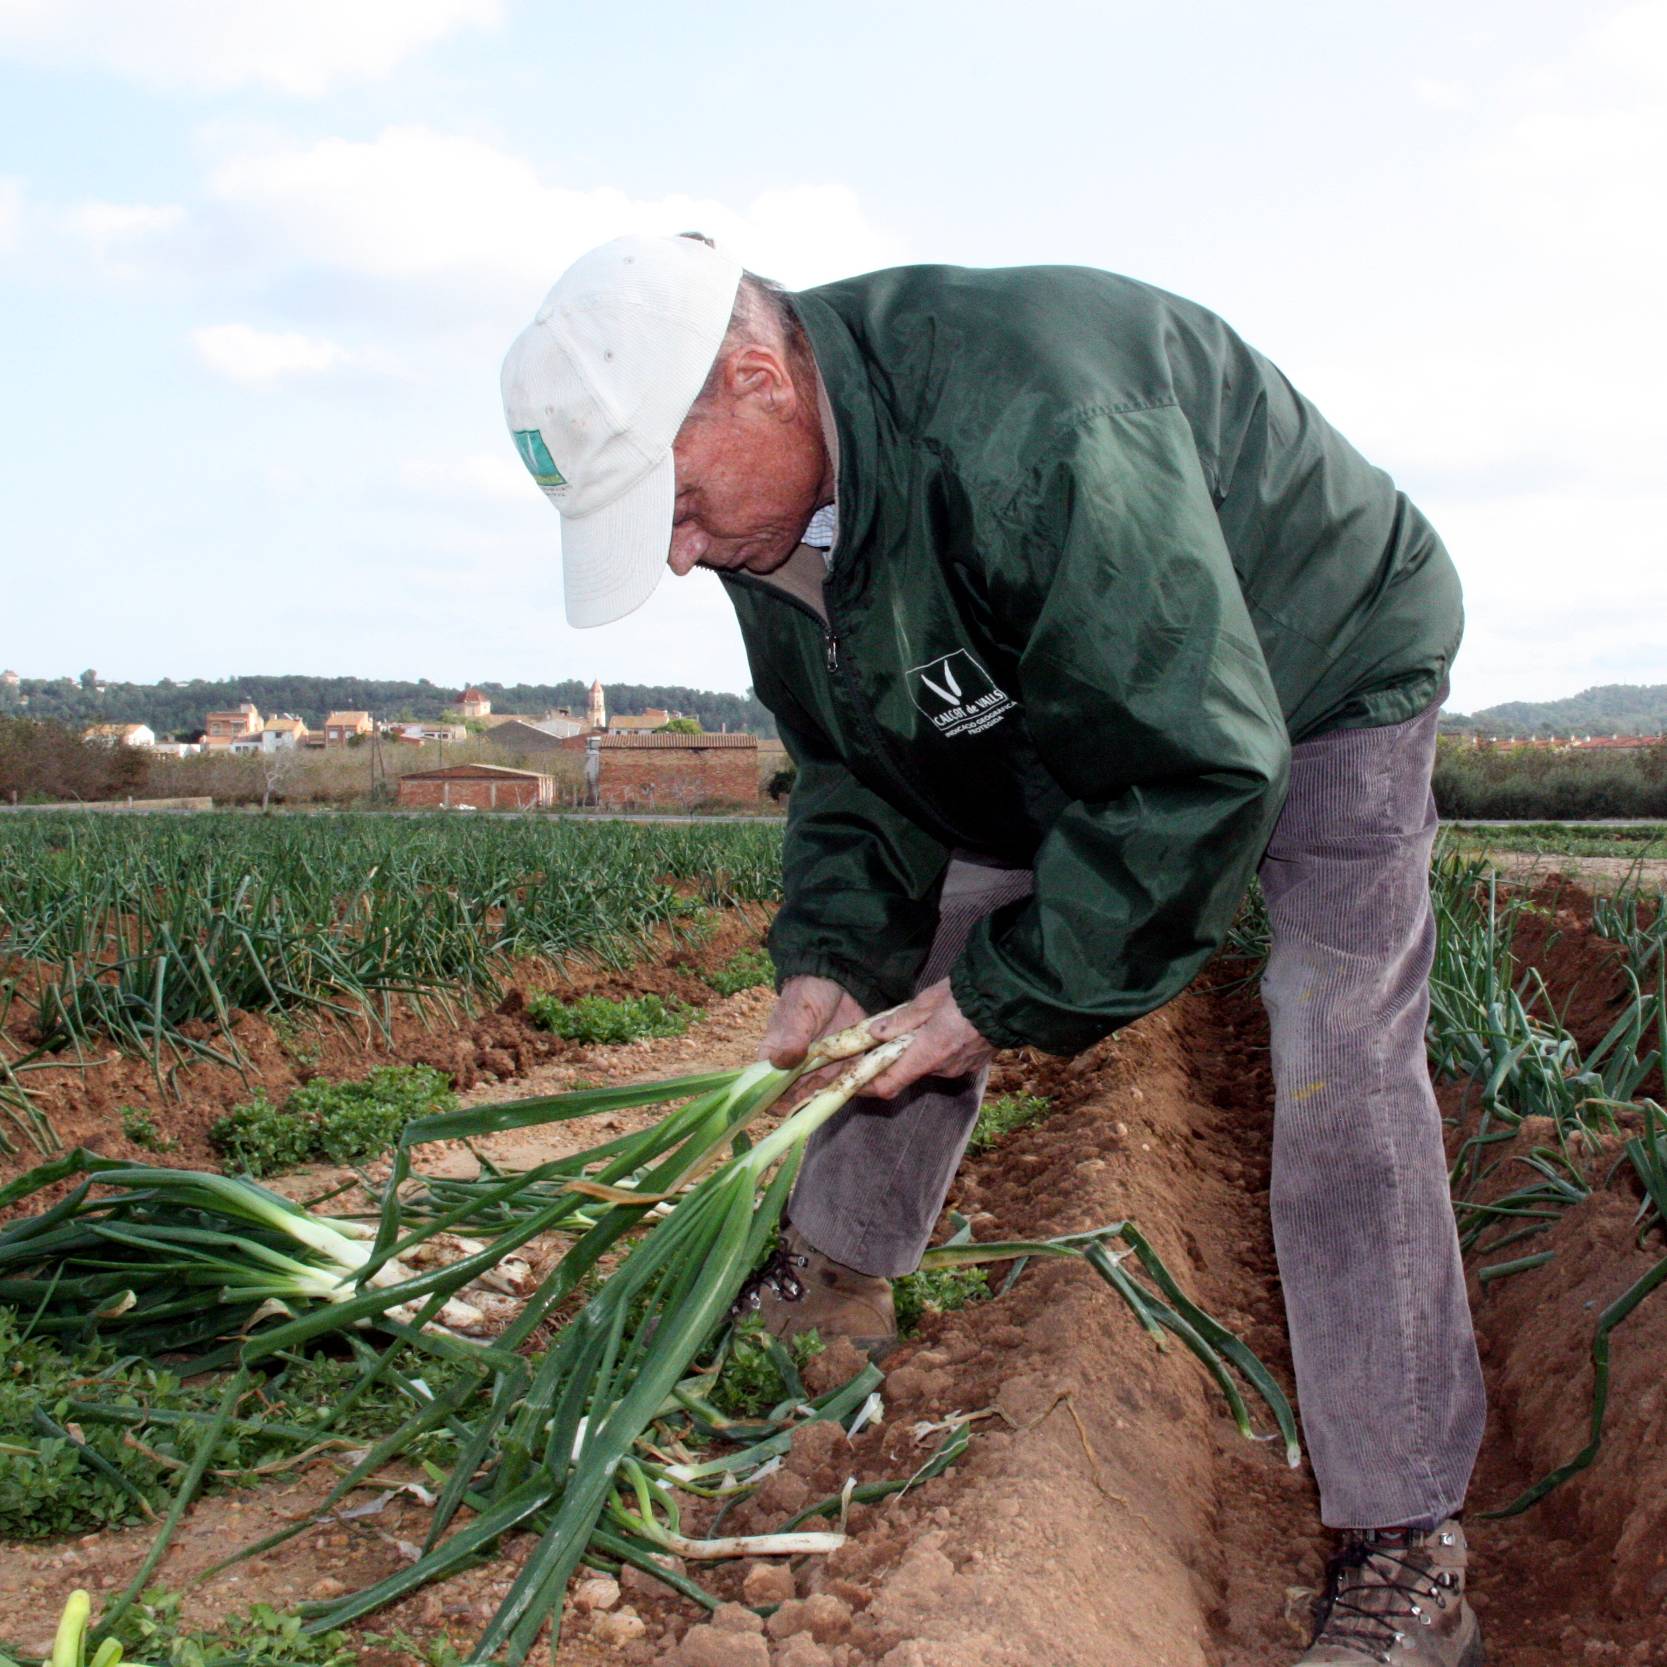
x,y
945,1044
806,1010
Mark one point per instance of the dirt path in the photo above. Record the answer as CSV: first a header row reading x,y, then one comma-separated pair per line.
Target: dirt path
x,y
1603,874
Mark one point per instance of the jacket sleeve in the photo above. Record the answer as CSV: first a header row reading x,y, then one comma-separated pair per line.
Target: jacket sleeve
x,y
860,882
1150,704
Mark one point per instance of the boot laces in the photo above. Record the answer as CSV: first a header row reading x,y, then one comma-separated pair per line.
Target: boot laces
x,y
779,1275
1352,1624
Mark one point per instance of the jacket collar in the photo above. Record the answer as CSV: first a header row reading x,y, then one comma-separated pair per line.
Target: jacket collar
x,y
844,374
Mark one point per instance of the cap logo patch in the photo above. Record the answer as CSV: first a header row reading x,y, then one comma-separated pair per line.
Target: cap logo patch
x,y
536,455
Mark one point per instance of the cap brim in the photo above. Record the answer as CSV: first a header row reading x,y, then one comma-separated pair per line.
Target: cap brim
x,y
612,559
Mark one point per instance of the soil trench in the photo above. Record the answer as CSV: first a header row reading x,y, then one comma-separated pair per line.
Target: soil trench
x,y
1107,1512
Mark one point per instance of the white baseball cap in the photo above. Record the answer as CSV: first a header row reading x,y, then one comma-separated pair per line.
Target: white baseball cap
x,y
595,390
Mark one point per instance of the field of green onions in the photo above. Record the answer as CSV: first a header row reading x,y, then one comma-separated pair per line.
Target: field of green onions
x,y
610,1406
1550,1119
547,1357
150,933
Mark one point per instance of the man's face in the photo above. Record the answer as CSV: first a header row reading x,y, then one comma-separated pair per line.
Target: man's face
x,y
748,479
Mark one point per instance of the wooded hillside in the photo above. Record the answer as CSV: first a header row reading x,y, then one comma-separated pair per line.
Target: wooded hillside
x,y
172,708
1609,709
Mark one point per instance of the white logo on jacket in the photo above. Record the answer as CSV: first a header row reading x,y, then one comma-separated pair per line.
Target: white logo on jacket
x,y
957,694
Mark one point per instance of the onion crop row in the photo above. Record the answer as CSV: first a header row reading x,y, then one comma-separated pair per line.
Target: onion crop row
x,y
144,932
1494,1025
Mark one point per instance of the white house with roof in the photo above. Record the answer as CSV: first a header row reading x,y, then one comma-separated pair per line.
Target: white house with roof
x,y
121,735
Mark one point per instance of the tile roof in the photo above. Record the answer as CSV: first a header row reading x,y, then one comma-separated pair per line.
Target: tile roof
x,y
473,772
679,742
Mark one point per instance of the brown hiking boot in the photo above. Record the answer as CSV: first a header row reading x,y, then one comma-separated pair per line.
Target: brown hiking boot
x,y
1396,1596
800,1289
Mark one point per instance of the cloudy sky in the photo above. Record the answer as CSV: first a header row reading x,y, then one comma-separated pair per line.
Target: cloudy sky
x,y
259,264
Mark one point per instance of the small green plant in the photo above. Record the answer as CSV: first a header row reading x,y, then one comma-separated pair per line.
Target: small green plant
x,y
263,1637
1000,1117
750,1381
66,1466
140,1127
942,1291
260,1138
746,969
67,1411
600,1019
338,1122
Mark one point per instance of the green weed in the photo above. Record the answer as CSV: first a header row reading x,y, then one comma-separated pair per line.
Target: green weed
x,y
300,1043
599,1019
140,1127
56,1401
750,1382
1000,1117
262,1637
746,969
917,1295
338,1122
153,1631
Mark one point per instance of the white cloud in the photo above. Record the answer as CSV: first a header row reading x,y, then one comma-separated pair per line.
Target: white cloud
x,y
494,479
1634,41
1523,405
417,204
107,223
303,47
117,233
1557,584
261,358
11,211
1442,95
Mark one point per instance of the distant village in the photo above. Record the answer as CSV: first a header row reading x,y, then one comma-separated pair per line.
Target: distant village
x,y
643,760
1569,743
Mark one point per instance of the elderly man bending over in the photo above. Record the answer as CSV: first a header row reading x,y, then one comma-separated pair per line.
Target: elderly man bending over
x,y
1074,615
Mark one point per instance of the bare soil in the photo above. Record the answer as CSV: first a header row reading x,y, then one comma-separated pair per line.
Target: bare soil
x,y
1107,1513
1600,874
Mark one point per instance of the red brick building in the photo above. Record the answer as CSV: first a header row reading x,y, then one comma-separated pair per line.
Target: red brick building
x,y
669,772
480,786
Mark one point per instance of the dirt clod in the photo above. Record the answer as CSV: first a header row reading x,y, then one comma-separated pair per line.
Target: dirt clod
x,y
814,1445
767,1583
599,1592
620,1626
736,1617
826,1618
639,1583
801,1650
837,1364
711,1646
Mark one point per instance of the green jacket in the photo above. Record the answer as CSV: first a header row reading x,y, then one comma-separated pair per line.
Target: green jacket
x,y
1099,564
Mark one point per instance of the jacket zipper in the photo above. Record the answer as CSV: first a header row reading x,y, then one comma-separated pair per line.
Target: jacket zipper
x,y
842,669
879,747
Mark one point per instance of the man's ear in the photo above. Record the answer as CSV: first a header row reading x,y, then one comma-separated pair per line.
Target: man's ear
x,y
758,373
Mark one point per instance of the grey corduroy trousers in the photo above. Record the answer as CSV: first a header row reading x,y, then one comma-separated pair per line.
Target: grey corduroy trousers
x,y
1388,1380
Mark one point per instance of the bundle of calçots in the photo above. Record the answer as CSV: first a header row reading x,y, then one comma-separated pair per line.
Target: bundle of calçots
x,y
687,1206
